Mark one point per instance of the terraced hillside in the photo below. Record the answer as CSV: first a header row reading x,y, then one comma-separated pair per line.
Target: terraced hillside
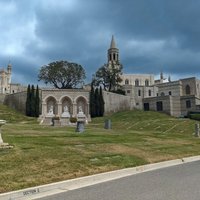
x,y
45,154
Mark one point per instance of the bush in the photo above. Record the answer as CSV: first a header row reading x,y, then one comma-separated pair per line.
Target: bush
x,y
195,116
119,91
56,118
73,120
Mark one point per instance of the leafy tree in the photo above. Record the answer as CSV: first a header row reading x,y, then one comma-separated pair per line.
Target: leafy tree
x,y
62,74
37,102
28,101
109,76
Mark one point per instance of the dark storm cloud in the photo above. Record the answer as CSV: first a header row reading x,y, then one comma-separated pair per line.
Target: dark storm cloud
x,y
151,35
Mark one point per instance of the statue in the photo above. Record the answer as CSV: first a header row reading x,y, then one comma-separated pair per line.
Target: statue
x,y
66,113
81,116
66,110
50,110
80,110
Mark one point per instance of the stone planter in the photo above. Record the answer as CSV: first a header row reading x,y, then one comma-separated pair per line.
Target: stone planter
x,y
2,144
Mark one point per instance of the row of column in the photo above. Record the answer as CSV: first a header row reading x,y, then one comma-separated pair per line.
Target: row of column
x,y
59,109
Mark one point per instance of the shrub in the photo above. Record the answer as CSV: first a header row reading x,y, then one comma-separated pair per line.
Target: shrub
x,y
73,119
56,118
119,91
195,116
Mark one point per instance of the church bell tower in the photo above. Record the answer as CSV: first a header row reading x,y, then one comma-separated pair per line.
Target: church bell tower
x,y
113,52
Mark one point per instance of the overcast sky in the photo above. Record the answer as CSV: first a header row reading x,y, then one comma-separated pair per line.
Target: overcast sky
x,y
152,35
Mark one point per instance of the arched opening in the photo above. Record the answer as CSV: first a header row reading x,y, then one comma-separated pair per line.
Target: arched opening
x,y
81,103
126,82
52,107
146,82
139,93
149,92
114,56
187,89
162,94
136,82
67,103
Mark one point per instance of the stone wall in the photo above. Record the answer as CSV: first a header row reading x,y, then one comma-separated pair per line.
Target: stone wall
x,y
116,102
2,98
16,101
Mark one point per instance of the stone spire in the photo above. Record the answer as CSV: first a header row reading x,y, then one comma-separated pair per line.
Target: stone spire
x,y
113,52
161,75
113,44
169,78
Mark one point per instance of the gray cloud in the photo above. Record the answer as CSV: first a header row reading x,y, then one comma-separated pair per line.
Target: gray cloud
x,y
151,35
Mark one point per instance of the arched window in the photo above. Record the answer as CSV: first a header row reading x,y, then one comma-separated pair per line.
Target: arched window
x,y
149,92
139,93
136,82
126,82
114,56
146,82
162,94
187,89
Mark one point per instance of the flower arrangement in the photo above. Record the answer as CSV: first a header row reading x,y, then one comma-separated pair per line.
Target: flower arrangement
x,y
73,119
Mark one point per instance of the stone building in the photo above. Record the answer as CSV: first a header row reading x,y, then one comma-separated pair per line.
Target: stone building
x,y
176,98
6,87
5,80
55,102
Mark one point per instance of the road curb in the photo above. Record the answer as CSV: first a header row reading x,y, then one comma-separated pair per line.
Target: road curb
x,y
63,186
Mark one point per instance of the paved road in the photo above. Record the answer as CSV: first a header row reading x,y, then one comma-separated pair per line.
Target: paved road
x,y
180,182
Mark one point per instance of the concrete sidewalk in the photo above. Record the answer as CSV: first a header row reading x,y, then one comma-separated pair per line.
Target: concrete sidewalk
x,y
55,188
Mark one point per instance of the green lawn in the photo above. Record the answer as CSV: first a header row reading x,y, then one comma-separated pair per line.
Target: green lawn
x,y
45,154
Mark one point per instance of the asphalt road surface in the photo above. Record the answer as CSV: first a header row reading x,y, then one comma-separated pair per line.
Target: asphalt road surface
x,y
180,182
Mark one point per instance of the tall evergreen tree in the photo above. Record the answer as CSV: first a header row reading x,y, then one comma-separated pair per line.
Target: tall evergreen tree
x,y
32,101
92,101
37,102
28,101
97,103
101,103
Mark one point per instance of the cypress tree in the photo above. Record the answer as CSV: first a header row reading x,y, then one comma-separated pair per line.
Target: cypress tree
x,y
37,102
96,95
28,101
32,101
92,102
101,102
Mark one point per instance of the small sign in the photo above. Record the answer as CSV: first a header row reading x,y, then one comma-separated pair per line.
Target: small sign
x,y
31,192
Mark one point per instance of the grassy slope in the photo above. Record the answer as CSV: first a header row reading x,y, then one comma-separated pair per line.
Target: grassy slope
x,y
43,154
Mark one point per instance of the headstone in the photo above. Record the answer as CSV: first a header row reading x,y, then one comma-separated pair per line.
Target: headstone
x,y
197,130
80,126
107,124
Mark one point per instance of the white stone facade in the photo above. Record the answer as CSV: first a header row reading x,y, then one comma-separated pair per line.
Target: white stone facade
x,y
55,102
6,87
5,80
173,97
